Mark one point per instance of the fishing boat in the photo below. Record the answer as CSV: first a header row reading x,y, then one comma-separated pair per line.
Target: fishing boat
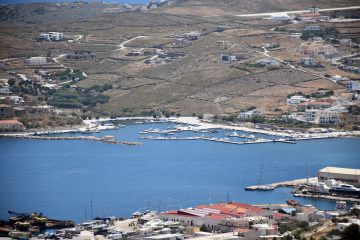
x,y
293,203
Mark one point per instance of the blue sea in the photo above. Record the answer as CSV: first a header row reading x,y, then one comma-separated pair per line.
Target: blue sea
x,y
61,178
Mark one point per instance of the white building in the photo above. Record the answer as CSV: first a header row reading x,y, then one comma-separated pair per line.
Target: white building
x,y
336,78
342,226
295,35
56,36
312,28
36,60
314,10
295,100
5,90
318,116
227,58
352,86
51,36
307,61
346,42
268,62
250,114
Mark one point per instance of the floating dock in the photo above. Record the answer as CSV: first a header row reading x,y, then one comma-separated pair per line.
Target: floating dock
x,y
291,183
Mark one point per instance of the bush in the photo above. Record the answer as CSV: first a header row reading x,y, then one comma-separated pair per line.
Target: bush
x,y
351,232
75,99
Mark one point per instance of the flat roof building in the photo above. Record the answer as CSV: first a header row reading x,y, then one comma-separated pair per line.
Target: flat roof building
x,y
346,175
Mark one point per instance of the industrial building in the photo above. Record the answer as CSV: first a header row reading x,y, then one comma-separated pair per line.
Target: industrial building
x,y
346,175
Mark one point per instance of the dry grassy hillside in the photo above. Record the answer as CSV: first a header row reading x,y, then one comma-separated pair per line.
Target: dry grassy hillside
x,y
232,7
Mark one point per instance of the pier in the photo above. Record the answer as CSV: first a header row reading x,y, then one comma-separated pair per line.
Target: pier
x,y
291,183
330,197
106,139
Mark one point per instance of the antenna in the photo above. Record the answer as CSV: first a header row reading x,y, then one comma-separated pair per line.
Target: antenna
x,y
307,172
85,214
159,207
210,195
227,197
91,209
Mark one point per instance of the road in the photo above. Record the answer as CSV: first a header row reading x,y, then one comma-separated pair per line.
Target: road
x,y
122,45
57,61
294,12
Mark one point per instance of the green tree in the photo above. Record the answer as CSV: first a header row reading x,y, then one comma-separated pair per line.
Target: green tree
x,y
11,82
351,232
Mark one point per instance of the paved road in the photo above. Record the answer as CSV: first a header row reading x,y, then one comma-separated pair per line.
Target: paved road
x,y
293,12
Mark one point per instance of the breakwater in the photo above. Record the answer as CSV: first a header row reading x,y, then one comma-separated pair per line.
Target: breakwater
x,y
106,139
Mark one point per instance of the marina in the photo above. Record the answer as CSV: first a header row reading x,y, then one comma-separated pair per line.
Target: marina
x,y
203,167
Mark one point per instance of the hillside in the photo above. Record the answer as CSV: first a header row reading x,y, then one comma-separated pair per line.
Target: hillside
x,y
174,72
233,7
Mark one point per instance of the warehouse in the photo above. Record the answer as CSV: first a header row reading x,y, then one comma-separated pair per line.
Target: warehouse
x,y
346,175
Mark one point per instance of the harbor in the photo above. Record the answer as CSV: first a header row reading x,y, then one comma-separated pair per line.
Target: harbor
x,y
338,184
199,163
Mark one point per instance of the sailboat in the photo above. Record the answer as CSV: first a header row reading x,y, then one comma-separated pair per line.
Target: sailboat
x,y
267,187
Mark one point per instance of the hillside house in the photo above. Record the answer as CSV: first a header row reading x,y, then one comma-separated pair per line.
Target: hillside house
x,y
313,105
79,55
295,35
227,58
352,86
51,36
309,62
318,49
295,100
312,28
5,90
11,126
6,111
325,117
250,114
269,62
37,61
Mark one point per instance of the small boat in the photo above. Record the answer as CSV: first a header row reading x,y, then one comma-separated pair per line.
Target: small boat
x,y
292,202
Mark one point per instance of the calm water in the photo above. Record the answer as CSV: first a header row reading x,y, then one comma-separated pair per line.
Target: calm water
x,y
60,178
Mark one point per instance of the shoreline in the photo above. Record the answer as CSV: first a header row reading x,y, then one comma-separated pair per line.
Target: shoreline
x,y
197,124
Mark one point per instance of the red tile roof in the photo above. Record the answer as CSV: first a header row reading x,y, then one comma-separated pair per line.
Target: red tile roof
x,y
10,121
241,230
216,216
177,212
233,208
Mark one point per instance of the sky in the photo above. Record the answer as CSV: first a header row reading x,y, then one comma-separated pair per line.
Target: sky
x,y
29,1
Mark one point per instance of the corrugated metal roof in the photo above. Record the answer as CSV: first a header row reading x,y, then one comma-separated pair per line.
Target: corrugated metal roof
x,y
350,171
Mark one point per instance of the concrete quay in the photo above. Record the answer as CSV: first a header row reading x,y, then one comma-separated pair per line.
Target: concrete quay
x,y
329,197
291,183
